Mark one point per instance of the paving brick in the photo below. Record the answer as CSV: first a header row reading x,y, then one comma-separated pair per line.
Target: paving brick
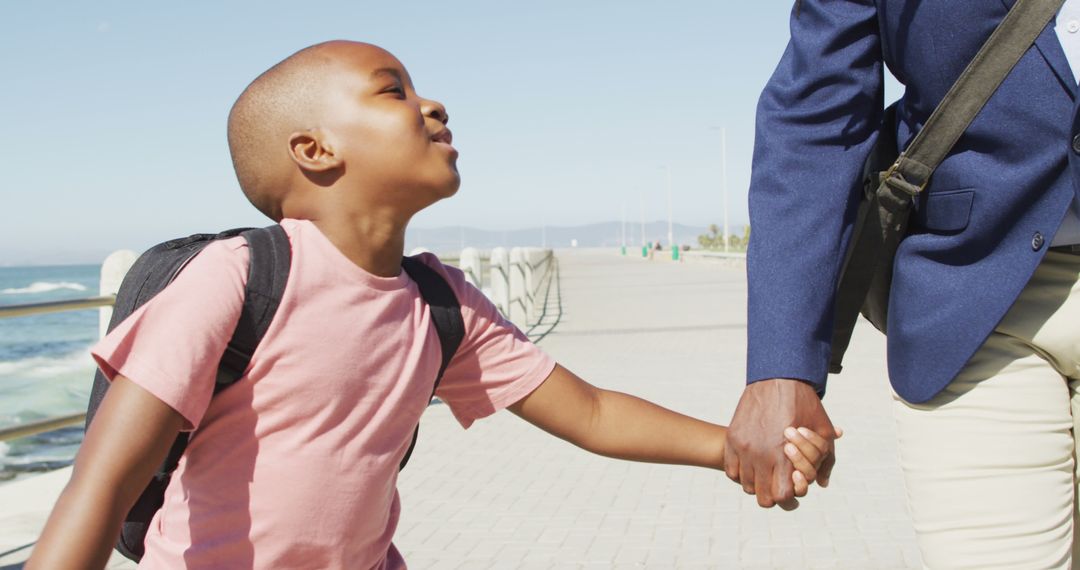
x,y
629,555
475,565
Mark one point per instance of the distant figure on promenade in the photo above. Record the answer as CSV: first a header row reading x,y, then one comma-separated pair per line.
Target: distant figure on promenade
x,y
295,465
984,320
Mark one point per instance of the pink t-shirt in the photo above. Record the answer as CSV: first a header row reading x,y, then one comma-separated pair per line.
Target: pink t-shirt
x,y
295,466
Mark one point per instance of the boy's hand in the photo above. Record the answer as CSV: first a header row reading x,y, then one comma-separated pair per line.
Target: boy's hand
x,y
806,449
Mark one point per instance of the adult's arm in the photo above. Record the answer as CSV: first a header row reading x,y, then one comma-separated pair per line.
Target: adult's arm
x,y
816,122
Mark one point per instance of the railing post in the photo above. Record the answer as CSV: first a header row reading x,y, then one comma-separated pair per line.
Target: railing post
x,y
519,309
534,277
530,283
471,264
113,270
499,278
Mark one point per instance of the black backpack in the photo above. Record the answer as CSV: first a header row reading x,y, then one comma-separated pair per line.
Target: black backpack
x,y
268,271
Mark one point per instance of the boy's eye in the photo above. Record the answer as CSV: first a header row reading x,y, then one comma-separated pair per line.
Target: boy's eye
x,y
396,89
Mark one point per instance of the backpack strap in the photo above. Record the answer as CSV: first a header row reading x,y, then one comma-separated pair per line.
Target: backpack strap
x,y
446,316
268,271
270,256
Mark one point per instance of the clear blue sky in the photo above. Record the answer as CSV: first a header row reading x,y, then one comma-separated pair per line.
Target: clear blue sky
x,y
564,111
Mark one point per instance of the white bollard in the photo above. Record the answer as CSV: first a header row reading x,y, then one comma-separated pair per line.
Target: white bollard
x,y
538,260
471,264
531,282
113,270
542,273
499,279
519,304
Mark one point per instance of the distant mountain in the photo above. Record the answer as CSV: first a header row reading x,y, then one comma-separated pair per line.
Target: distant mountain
x,y
605,234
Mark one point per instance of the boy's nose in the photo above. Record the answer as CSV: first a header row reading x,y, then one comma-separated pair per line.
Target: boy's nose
x,y
435,110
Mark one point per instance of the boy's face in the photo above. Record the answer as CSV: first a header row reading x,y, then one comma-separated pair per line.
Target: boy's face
x,y
391,140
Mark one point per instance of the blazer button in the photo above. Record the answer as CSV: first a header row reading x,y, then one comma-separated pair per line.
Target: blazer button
x,y
1076,144
1037,241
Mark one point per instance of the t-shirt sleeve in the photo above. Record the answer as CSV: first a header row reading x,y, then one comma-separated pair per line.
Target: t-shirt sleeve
x,y
496,364
171,346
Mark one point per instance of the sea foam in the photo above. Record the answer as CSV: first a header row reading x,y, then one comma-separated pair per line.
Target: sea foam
x,y
43,287
45,367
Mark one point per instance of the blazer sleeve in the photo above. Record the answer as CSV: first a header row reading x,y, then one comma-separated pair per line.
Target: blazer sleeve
x,y
817,119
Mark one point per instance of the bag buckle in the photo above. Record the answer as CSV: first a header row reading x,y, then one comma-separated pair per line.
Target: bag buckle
x,y
894,178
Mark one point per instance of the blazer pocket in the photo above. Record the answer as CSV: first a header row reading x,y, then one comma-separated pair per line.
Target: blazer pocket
x,y
947,211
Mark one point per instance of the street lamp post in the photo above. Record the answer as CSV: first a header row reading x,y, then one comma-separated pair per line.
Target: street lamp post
x,y
642,203
723,182
624,228
670,233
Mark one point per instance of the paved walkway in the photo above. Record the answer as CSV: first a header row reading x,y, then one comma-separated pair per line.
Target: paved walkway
x,y
505,495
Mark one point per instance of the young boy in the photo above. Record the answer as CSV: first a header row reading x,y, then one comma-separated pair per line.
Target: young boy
x,y
295,465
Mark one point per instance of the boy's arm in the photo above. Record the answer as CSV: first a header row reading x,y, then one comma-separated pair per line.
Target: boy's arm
x,y
127,441
619,425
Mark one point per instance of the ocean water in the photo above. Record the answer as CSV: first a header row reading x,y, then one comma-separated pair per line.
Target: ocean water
x,y
45,364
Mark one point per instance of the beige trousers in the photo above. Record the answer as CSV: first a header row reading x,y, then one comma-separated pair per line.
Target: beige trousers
x,y
990,463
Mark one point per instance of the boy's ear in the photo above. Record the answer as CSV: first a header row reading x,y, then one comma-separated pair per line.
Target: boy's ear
x,y
312,151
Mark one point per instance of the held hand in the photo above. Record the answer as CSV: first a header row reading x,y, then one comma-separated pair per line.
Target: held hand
x,y
806,450
754,455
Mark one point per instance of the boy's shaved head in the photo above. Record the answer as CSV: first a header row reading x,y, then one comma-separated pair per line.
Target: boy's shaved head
x,y
337,129
284,99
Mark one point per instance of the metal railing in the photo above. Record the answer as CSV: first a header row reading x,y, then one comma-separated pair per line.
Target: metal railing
x,y
33,428
113,269
541,327
529,268
527,300
12,311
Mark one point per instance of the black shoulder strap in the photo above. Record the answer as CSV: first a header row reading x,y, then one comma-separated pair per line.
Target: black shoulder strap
x,y
445,314
268,271
270,257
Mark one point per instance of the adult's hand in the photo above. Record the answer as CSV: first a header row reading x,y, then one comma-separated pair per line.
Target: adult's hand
x,y
754,455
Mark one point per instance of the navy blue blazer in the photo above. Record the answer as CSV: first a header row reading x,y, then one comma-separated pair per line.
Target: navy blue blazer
x,y
980,230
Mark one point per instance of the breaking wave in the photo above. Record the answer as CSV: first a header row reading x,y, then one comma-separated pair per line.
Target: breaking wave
x,y
43,287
